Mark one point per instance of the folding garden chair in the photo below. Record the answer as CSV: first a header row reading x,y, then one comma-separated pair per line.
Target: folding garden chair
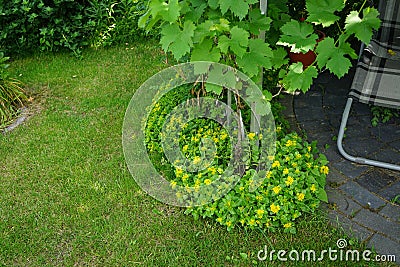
x,y
377,77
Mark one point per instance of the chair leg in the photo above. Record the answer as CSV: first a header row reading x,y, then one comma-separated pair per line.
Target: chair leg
x,y
359,160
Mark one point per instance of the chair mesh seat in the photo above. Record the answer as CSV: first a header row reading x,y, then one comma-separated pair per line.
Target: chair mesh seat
x,y
377,82
377,78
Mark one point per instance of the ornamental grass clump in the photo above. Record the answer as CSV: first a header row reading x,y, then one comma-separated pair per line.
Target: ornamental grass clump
x,y
12,96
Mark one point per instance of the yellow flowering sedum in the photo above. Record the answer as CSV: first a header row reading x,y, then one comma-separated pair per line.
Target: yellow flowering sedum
x,y
289,181
274,208
260,213
251,136
300,196
287,225
276,164
207,181
276,189
324,170
313,188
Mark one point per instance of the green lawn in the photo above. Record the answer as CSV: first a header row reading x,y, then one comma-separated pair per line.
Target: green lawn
x,y
67,198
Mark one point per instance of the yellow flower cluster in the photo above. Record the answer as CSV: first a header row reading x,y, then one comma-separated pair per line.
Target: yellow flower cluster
x,y
207,182
276,164
300,196
251,136
287,225
313,188
276,189
289,181
274,208
260,213
324,170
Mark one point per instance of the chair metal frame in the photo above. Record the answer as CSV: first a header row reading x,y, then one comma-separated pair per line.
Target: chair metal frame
x,y
343,124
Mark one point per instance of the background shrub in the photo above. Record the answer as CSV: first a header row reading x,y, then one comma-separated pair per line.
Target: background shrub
x,y
53,25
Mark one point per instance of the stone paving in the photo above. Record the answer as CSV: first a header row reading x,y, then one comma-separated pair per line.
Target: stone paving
x,y
362,199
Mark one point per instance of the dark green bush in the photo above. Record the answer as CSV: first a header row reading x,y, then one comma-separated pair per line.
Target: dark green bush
x,y
53,25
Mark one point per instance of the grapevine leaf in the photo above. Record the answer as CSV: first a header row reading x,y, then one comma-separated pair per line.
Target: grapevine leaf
x,y
259,56
258,22
213,3
169,11
279,57
333,57
196,12
176,40
237,42
222,75
262,107
322,11
362,27
225,5
339,64
202,31
214,88
300,37
205,52
299,79
239,8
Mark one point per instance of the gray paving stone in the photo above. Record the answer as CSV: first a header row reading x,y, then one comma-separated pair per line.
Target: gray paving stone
x,y
376,179
335,178
364,197
391,192
391,211
342,203
385,246
350,169
307,101
379,224
332,153
386,133
395,145
310,114
388,155
362,147
350,228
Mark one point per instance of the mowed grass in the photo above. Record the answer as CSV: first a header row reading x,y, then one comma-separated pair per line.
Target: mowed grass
x,y
67,198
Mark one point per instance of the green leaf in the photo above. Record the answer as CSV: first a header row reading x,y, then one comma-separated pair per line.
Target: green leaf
x,y
299,79
259,56
202,31
322,11
237,42
363,27
196,12
213,88
213,3
262,107
238,7
168,11
222,75
258,22
176,40
300,37
205,52
279,57
321,194
333,57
